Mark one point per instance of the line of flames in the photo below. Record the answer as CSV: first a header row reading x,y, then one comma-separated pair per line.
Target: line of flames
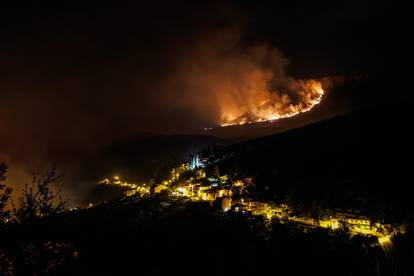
x,y
310,98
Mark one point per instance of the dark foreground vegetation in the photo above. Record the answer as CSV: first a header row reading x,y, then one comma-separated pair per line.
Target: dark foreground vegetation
x,y
162,235
159,236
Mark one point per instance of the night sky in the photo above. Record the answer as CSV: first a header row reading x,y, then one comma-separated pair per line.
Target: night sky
x,y
74,77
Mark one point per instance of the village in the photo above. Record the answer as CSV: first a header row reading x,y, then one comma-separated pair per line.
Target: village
x,y
191,181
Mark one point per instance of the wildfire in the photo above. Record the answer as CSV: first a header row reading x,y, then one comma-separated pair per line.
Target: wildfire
x,y
271,106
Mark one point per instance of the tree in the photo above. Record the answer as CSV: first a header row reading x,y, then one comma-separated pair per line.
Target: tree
x,y
38,199
5,193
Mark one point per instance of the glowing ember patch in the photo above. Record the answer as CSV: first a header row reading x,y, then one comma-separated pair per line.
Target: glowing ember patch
x,y
276,106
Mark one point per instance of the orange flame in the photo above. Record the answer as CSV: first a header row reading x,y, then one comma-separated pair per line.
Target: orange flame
x,y
262,105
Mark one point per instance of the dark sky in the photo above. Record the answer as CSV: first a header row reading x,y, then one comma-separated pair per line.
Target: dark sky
x,y
75,76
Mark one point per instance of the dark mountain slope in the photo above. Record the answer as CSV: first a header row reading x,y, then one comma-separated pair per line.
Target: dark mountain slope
x,y
357,160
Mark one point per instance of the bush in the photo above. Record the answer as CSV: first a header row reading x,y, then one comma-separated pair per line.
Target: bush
x,y
38,199
5,193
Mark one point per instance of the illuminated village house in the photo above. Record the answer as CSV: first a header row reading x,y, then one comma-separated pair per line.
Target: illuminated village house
x,y
196,163
354,221
156,189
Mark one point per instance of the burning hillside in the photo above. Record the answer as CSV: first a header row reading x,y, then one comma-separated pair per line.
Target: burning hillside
x,y
270,105
248,85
